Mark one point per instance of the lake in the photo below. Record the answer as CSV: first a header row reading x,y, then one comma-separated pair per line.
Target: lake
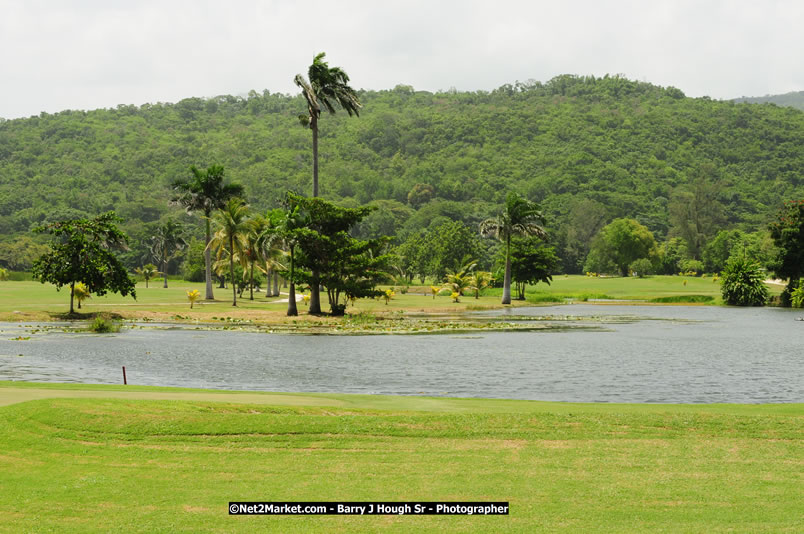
x,y
640,354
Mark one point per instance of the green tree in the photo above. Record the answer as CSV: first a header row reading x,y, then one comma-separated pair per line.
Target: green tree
x,y
324,87
788,235
622,242
519,217
205,191
230,238
166,244
696,212
531,262
82,251
330,256
742,283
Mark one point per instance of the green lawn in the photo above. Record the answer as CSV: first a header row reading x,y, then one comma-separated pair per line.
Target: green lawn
x,y
166,460
35,301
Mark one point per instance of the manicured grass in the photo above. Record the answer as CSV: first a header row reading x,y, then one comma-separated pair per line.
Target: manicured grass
x,y
125,464
21,301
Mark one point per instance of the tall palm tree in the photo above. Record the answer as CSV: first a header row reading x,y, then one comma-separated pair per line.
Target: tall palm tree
x,y
324,87
205,191
166,243
230,239
520,217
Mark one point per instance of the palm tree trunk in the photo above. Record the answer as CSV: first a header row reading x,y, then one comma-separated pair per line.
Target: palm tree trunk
x,y
276,284
314,127
72,295
231,270
208,262
506,297
315,296
164,272
292,311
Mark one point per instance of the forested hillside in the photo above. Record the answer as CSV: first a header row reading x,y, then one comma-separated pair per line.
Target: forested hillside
x,y
793,99
588,149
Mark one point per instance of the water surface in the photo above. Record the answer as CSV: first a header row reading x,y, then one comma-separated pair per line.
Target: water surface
x,y
667,354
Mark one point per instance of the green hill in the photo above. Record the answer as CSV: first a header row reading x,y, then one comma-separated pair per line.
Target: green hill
x,y
618,147
794,99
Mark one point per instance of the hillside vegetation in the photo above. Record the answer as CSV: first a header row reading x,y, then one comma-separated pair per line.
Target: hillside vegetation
x,y
794,99
588,149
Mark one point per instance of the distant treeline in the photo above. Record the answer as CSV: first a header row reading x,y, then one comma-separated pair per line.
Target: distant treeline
x,y
589,150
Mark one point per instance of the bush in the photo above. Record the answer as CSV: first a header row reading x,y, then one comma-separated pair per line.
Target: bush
x,y
742,283
797,295
641,267
101,325
692,267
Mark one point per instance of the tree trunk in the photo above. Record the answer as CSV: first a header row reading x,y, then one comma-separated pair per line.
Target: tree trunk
x,y
506,296
314,128
231,270
208,261
292,311
164,273
72,295
276,284
315,295
251,282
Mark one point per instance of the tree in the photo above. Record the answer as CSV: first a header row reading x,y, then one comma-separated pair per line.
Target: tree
x,y
480,280
696,213
230,239
324,87
330,256
290,225
787,233
519,217
622,242
147,272
81,293
82,252
531,262
742,283
166,244
205,191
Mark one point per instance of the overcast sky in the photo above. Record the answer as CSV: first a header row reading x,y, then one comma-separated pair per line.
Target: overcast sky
x,y
57,55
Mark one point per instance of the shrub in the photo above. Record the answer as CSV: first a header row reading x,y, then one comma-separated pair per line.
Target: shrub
x,y
101,325
742,283
692,267
797,295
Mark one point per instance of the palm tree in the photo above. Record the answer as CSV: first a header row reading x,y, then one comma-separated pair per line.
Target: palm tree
x,y
147,272
205,191
520,217
230,239
293,221
324,87
81,293
480,280
166,244
460,280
